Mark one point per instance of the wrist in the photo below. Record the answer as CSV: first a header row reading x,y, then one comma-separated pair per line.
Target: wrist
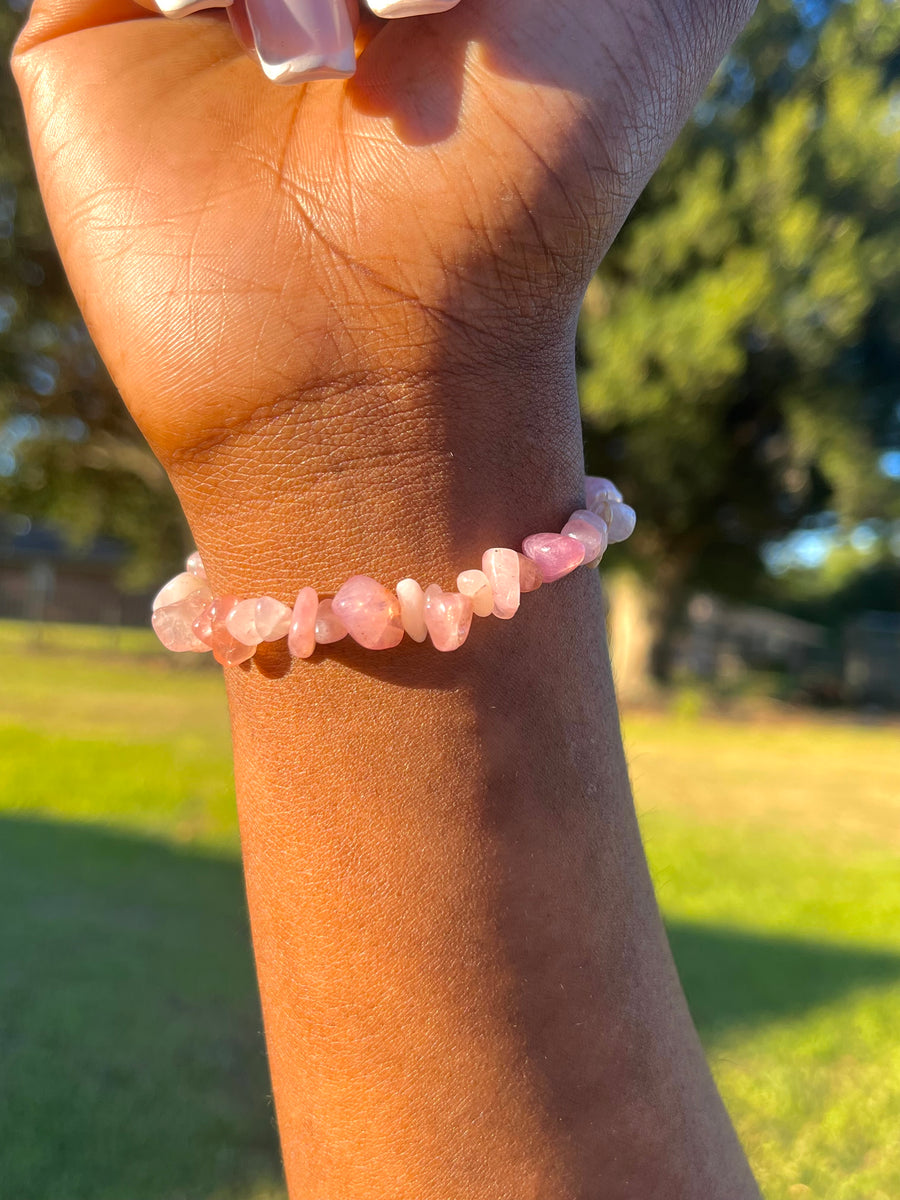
x,y
406,475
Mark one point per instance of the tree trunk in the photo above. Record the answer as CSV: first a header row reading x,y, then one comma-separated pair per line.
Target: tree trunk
x,y
667,609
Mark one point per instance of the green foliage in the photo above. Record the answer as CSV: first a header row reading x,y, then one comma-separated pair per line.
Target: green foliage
x,y
69,452
741,343
739,348
132,1053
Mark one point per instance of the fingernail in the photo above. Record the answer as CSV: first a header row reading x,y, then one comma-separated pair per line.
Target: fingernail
x,y
409,8
300,40
184,8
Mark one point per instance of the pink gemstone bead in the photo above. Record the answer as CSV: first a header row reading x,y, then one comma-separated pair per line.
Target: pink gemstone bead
x,y
370,613
502,570
272,619
211,628
212,617
194,566
590,530
553,554
173,623
448,616
329,626
474,584
530,577
412,609
227,650
302,633
178,588
622,523
241,623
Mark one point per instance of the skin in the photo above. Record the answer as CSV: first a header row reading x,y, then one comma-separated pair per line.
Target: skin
x,y
343,315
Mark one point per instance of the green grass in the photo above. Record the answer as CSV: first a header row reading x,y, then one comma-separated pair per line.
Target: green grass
x,y
130,1043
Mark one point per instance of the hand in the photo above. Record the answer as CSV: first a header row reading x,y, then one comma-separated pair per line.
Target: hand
x,y
238,247
340,313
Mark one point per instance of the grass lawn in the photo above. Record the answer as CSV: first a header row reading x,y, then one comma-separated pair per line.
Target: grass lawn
x,y
132,1058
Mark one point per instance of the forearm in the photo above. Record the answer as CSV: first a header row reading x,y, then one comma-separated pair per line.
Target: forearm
x,y
466,988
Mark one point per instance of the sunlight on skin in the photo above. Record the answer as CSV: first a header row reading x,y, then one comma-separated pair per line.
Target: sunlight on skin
x,y
344,316
814,1091
217,209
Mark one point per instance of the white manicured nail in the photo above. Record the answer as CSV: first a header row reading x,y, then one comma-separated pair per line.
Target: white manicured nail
x,y
409,8
300,40
184,8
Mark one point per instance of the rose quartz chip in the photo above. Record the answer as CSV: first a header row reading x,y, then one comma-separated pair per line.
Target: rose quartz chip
x,y
412,609
448,616
272,619
211,628
241,623
178,588
622,523
227,650
194,565
590,530
474,584
213,615
370,613
530,577
553,554
329,627
302,633
502,570
173,623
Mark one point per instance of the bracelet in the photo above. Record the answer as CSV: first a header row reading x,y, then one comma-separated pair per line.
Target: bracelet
x,y
187,617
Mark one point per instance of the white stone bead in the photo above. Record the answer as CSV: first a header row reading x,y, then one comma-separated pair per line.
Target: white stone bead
x,y
178,589
241,623
475,584
273,619
621,523
412,609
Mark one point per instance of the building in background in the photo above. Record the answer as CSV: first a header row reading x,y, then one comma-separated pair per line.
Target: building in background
x,y
43,577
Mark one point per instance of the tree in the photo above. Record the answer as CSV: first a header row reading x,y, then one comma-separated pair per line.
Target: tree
x,y
69,452
739,348
740,345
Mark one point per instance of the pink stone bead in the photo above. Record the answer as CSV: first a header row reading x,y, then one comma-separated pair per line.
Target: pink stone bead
x,y
412,609
272,619
194,566
211,628
590,530
178,588
227,650
530,577
448,616
329,627
502,570
302,633
212,617
553,554
622,523
241,623
474,584
173,624
370,613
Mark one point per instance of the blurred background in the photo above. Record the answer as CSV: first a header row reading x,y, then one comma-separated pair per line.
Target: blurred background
x,y
739,356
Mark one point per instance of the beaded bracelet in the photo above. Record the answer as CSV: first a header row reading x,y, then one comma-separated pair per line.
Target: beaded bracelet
x,y
186,615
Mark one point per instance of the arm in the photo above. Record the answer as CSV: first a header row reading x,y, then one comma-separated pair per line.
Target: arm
x,y
466,987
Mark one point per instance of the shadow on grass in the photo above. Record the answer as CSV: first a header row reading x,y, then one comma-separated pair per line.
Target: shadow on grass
x,y
736,978
131,1044
130,1035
